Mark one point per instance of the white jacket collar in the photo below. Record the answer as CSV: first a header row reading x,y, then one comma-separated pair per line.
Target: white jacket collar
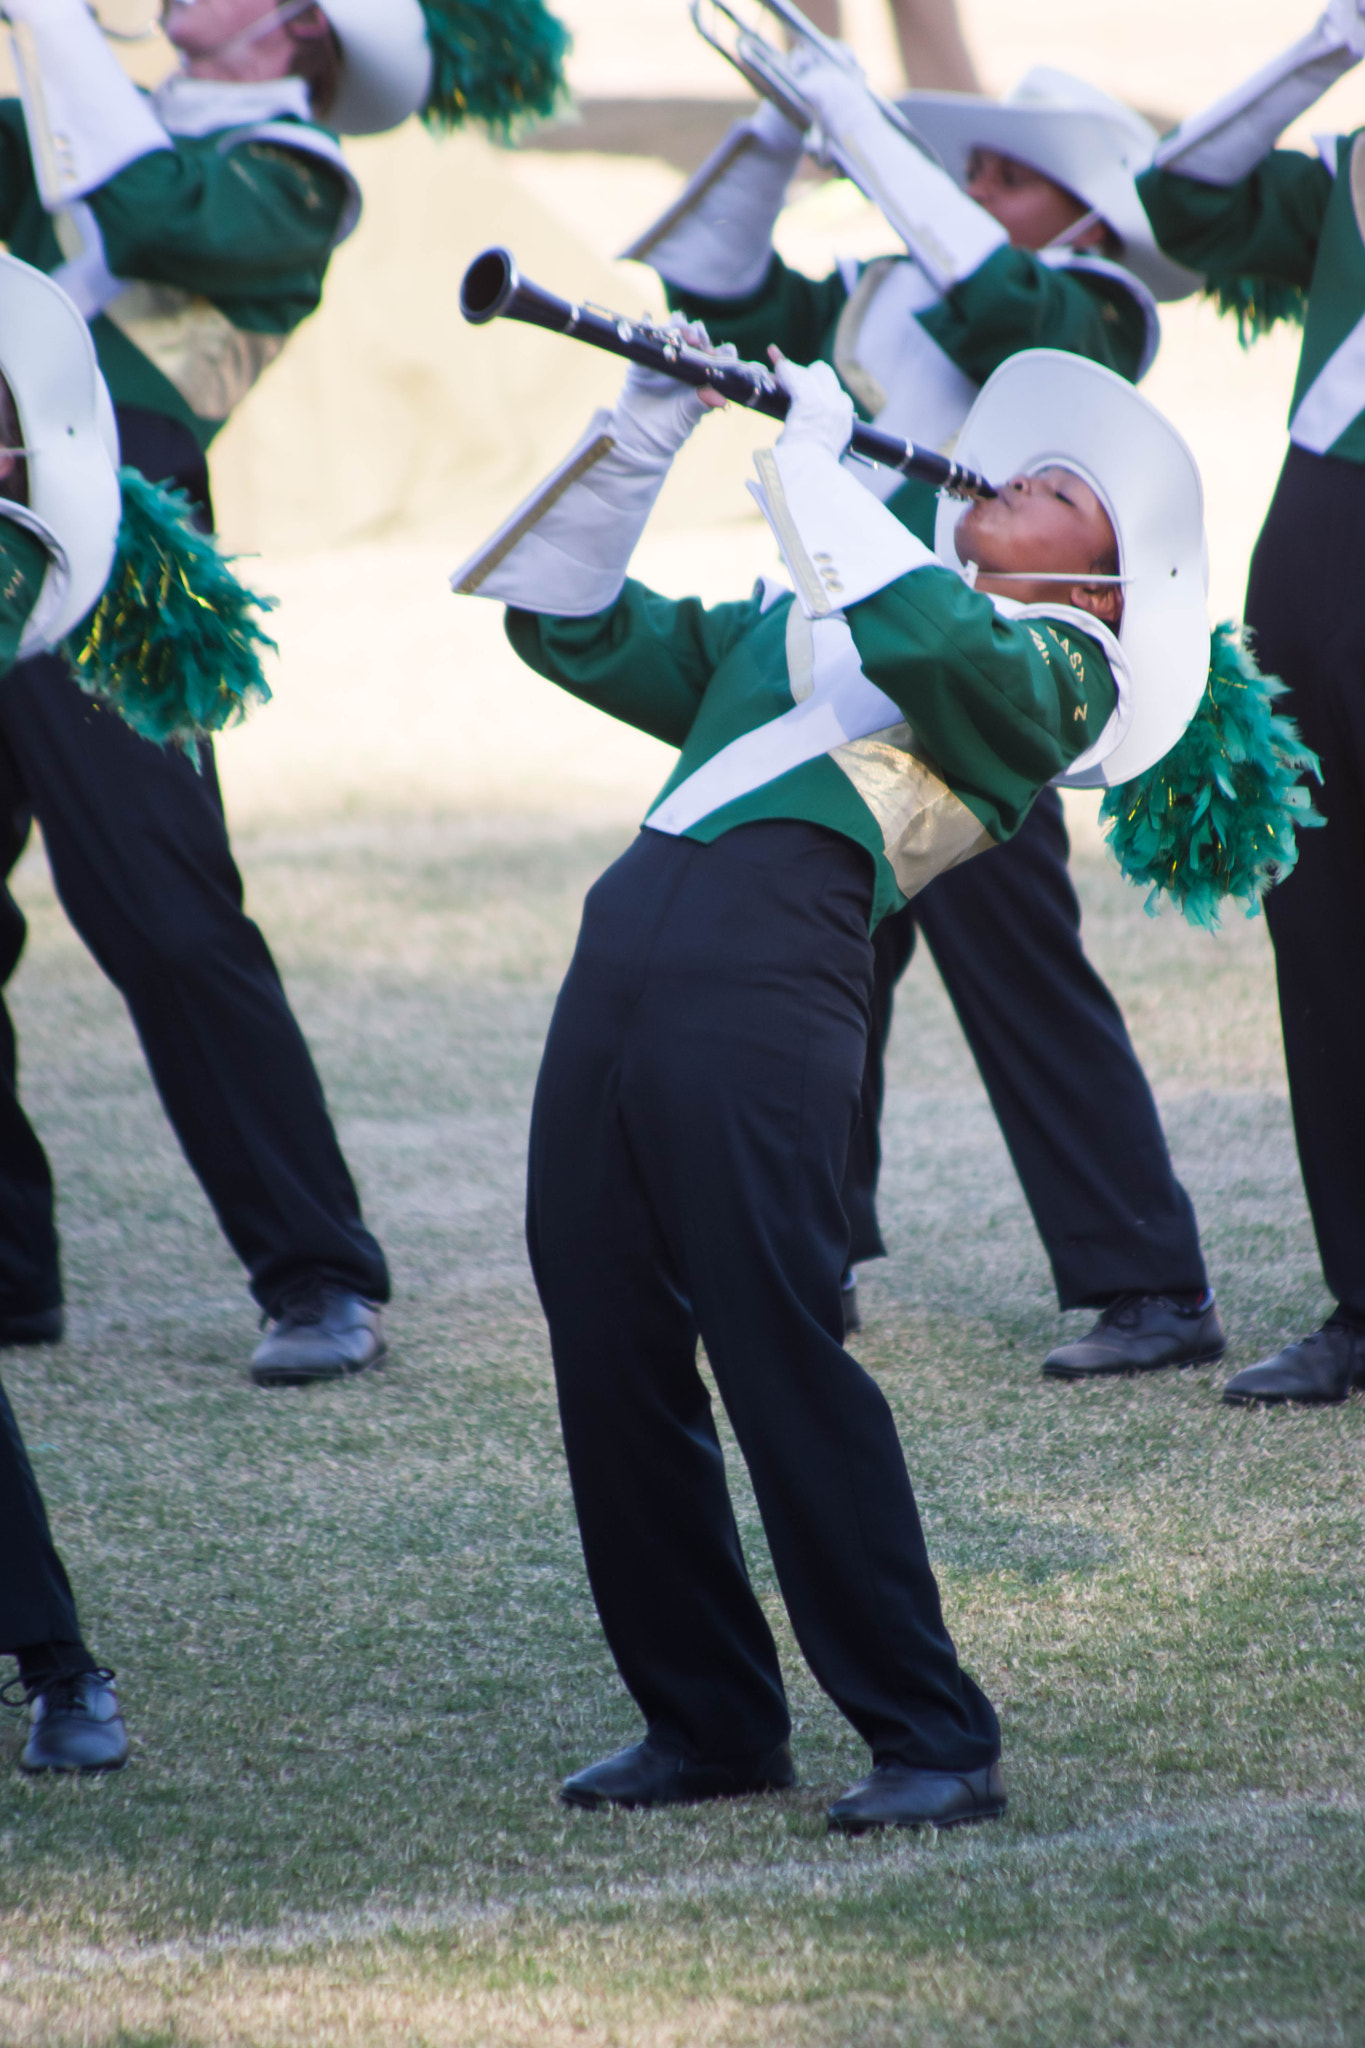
x,y
205,106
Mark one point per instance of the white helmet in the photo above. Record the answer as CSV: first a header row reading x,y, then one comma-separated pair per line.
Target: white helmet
x,y
1044,408
1073,133
70,441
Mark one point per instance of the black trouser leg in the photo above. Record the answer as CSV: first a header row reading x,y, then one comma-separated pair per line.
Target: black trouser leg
x,y
30,1270
1071,1100
36,1603
1306,604
893,944
139,853
688,1143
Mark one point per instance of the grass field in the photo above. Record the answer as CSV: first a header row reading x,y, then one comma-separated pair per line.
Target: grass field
x,y
355,1642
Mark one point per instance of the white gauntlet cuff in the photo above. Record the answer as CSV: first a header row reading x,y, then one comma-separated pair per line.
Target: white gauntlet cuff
x,y
85,118
839,543
1227,141
566,549
717,237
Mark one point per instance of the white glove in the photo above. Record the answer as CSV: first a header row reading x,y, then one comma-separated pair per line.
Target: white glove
x,y
655,414
1227,141
947,233
821,410
717,237
85,118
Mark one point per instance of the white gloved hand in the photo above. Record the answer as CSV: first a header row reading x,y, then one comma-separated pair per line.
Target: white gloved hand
x,y
821,410
655,414
836,95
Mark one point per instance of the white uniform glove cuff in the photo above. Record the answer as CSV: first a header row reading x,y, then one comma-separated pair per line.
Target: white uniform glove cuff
x,y
717,237
839,543
85,118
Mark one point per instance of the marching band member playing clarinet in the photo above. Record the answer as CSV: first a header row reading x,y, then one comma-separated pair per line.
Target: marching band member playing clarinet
x,y
1036,239
840,744
193,226
1280,232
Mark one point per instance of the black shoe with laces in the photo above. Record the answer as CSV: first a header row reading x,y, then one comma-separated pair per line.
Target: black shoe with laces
x,y
319,1333
1142,1333
74,1724
1316,1371
646,1775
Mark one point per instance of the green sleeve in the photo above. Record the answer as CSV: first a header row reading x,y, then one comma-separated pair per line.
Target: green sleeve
x,y
23,565
1267,225
647,660
1000,705
1014,301
250,228
798,313
16,167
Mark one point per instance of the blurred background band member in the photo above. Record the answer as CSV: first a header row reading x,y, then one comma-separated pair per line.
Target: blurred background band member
x,y
932,46
193,226
1037,238
1281,233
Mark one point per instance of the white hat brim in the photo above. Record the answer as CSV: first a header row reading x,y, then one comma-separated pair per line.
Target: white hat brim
x,y
48,360
1093,154
385,64
1046,407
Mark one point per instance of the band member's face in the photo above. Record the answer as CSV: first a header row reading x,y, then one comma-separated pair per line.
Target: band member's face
x,y
1032,209
1050,521
200,27
241,39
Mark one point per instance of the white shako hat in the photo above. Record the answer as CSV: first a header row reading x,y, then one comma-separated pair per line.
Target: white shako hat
x,y
1075,134
67,426
385,64
1043,409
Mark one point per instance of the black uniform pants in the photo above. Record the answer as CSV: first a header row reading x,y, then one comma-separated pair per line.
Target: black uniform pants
x,y
1063,1079
688,1142
139,853
1306,604
36,1603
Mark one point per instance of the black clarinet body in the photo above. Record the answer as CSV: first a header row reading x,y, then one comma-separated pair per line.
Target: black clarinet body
x,y
493,288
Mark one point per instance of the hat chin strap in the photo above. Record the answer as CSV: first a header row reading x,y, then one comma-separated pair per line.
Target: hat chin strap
x,y
1082,576
1069,237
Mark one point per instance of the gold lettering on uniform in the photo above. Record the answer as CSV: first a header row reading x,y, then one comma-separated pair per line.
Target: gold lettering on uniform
x,y
211,363
1040,644
1081,712
925,828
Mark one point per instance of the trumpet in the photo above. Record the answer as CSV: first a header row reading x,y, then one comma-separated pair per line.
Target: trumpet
x,y
494,288
771,75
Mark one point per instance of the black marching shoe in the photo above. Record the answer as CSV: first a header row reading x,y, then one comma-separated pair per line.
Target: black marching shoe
x,y
901,1796
646,1776
1320,1368
1142,1333
31,1326
320,1333
74,1724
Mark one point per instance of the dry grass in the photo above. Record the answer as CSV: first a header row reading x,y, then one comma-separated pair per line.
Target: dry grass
x,y
356,1645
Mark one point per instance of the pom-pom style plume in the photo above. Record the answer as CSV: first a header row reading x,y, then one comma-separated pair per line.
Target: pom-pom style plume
x,y
1257,304
1216,817
173,644
496,61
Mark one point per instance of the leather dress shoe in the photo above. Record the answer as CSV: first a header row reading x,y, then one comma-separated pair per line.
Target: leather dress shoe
x,y
31,1326
322,1333
646,1776
1141,1333
902,1796
1323,1367
74,1724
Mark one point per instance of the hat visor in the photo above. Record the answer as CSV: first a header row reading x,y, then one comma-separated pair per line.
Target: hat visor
x,y
48,360
1045,407
385,64
1093,155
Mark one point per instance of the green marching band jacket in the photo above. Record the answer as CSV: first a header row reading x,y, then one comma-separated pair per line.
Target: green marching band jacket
x,y
1293,223
981,709
23,565
226,236
942,348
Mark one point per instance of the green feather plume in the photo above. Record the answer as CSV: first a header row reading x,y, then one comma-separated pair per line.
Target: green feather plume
x,y
1216,817
496,61
1257,304
173,644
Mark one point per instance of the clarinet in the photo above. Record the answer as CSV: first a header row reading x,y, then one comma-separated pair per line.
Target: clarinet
x,y
493,288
